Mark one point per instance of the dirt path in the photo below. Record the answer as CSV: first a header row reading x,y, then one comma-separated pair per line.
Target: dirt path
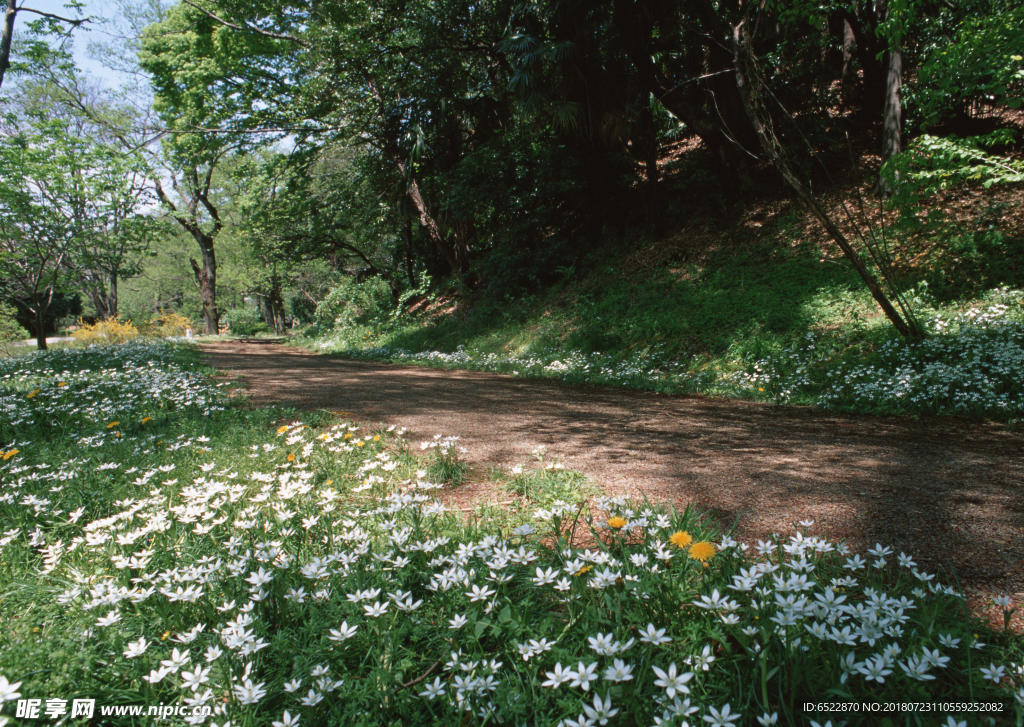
x,y
947,492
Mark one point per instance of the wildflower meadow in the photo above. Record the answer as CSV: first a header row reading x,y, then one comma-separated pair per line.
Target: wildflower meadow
x,y
163,544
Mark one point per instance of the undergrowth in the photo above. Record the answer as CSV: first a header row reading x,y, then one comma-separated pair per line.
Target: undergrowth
x,y
835,351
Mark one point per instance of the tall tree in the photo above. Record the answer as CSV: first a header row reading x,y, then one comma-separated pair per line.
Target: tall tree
x,y
209,81
121,232
45,179
200,218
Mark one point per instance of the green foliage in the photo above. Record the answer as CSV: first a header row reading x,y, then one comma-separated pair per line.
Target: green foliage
x,y
10,329
355,306
72,206
934,163
971,259
519,189
302,308
42,166
245,321
983,61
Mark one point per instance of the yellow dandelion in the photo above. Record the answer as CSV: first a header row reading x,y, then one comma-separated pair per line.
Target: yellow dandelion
x,y
348,435
113,424
680,539
328,483
584,569
291,457
33,393
146,419
702,551
376,438
167,635
8,455
360,444
617,522
282,429
61,383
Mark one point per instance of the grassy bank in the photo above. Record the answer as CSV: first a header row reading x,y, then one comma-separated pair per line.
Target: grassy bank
x,y
779,324
164,546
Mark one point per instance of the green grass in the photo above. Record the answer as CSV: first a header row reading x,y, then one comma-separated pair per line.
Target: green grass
x,y
775,323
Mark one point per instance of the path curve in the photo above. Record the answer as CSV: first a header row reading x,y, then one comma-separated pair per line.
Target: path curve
x,y
945,491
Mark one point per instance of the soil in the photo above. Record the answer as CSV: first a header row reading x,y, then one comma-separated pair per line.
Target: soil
x,y
947,491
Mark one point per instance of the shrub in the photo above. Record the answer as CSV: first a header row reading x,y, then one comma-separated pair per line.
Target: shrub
x,y
245,321
10,329
173,324
303,309
105,332
356,304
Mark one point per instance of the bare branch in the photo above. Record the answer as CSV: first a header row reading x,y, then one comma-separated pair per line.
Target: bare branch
x,y
74,22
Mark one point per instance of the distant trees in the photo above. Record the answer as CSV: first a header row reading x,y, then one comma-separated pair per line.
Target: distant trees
x,y
72,205
490,140
495,142
42,217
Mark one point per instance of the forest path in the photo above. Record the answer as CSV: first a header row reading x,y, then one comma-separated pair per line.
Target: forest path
x,y
947,491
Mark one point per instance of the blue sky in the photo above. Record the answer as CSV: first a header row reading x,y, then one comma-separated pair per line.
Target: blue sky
x,y
82,36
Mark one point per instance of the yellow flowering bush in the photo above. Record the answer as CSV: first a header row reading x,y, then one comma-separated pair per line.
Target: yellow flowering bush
x,y
169,324
109,331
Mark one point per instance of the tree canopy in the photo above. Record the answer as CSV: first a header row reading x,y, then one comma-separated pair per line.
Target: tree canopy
x,y
491,141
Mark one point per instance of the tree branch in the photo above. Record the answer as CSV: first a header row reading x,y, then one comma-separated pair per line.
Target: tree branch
x,y
266,33
71,21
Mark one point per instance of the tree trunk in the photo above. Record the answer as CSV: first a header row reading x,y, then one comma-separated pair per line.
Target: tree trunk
x,y
407,234
867,48
275,304
5,39
40,328
112,297
433,229
848,78
772,149
892,142
206,276
648,140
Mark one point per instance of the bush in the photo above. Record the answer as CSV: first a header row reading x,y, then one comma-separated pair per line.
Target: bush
x,y
173,324
245,321
303,309
356,304
111,331
10,329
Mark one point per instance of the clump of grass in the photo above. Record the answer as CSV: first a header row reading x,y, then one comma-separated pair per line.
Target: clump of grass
x,y
446,465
